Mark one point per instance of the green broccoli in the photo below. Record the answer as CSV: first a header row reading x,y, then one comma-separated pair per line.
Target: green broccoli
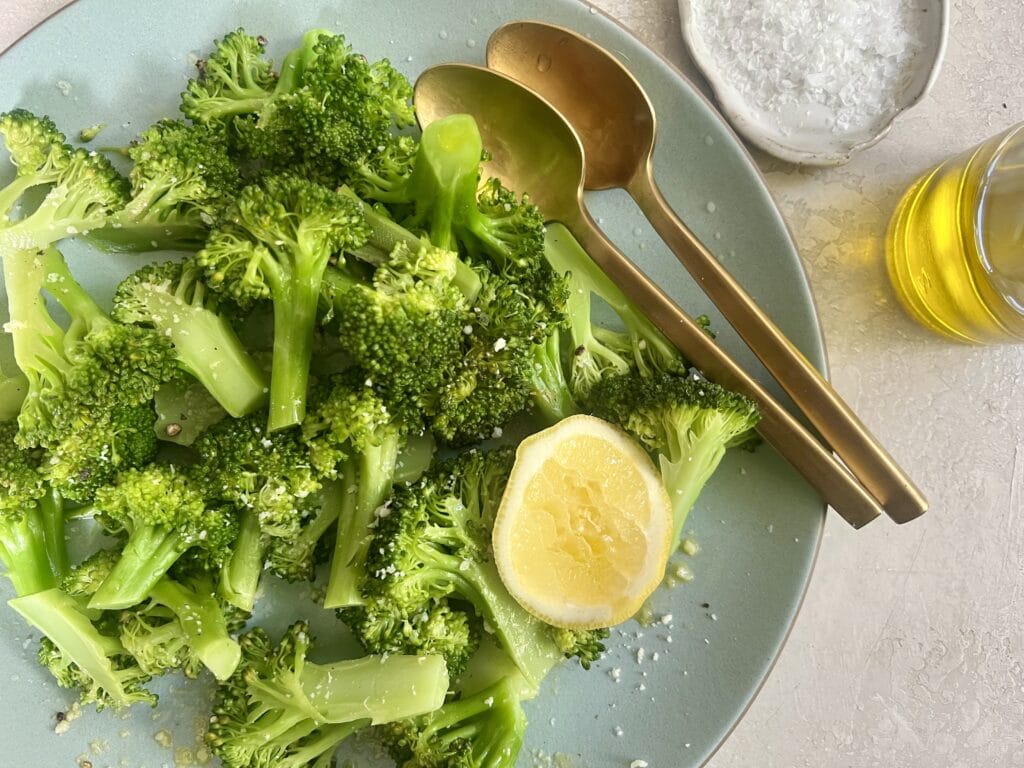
x,y
687,421
79,655
485,728
352,436
164,514
171,298
182,178
433,543
32,546
597,351
269,480
275,243
281,709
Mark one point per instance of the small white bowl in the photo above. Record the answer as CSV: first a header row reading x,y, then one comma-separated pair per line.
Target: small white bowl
x,y
803,131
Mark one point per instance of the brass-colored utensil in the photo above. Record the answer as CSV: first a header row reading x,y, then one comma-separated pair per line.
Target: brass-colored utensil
x,y
615,121
533,149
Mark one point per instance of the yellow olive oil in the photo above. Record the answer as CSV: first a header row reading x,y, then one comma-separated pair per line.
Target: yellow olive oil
x,y
955,245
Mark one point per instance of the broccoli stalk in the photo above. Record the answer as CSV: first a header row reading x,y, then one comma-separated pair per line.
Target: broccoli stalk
x,y
240,574
79,656
275,243
197,629
281,709
688,422
597,351
164,515
32,547
171,298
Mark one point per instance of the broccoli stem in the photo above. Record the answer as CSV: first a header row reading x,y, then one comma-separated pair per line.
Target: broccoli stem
x,y
380,688
36,337
203,623
208,347
385,234
23,551
59,618
150,551
51,513
12,394
549,388
295,314
240,575
372,482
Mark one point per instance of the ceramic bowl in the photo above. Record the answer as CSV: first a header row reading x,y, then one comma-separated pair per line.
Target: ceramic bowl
x,y
809,134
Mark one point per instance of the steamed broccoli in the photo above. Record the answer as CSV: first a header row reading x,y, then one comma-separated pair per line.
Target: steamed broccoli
x,y
275,243
597,351
171,298
79,655
281,709
32,546
269,480
180,627
325,115
182,178
433,544
485,729
164,514
95,364
687,421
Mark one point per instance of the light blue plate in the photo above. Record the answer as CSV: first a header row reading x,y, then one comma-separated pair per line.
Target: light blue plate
x,y
667,693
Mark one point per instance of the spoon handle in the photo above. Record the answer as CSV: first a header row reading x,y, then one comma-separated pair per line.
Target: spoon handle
x,y
837,486
825,409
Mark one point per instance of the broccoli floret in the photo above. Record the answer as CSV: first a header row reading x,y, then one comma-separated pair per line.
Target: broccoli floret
x,y
275,243
235,79
171,298
91,452
687,421
586,645
32,546
79,655
325,116
436,628
599,352
95,364
268,479
181,180
163,512
281,709
485,728
352,437
406,329
434,543
180,627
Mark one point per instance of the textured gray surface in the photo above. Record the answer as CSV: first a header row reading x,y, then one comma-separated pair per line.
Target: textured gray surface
x,y
908,652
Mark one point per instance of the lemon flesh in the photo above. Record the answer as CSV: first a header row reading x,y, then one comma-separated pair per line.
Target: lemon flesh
x,y
584,529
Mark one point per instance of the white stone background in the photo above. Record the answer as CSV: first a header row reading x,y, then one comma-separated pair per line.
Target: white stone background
x,y
909,651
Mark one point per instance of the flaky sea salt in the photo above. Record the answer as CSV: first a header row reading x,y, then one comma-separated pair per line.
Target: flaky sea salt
x,y
843,63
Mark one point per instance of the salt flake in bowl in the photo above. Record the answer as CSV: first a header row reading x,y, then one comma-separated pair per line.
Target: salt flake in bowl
x,y
812,81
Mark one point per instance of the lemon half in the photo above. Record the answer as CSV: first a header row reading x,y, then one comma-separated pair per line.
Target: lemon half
x,y
584,529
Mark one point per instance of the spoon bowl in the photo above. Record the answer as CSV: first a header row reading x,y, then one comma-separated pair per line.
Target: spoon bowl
x,y
551,171
603,102
535,151
615,121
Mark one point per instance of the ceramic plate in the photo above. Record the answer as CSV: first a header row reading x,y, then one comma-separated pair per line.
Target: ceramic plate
x,y
667,693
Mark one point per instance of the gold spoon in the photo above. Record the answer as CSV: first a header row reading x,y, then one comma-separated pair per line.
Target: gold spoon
x,y
615,121
533,149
